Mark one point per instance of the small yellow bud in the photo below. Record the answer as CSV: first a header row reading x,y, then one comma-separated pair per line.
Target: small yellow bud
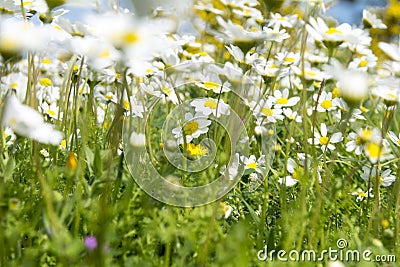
x,y
72,162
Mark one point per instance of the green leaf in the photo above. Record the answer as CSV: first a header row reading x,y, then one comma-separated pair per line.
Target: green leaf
x,y
9,169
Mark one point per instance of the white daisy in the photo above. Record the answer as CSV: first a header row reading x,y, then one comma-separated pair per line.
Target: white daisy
x,y
385,178
395,139
195,126
355,144
258,165
322,138
28,122
265,109
371,21
281,99
209,106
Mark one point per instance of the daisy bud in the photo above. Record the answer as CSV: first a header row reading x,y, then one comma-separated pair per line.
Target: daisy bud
x,y
72,162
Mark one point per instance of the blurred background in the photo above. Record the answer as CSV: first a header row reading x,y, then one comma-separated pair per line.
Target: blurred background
x,y
350,11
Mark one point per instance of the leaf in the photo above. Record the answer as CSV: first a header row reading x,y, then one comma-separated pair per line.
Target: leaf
x,y
9,169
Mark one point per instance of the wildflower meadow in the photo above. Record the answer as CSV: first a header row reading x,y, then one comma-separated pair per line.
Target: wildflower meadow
x,y
198,133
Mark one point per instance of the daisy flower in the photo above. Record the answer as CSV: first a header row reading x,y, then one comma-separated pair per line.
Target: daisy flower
x,y
361,195
322,138
355,144
310,73
269,69
265,109
330,36
377,151
392,50
395,139
295,173
28,122
371,21
213,83
385,178
209,106
281,99
195,126
232,169
251,163
277,20
325,101
9,136
353,84
239,36
292,116
288,58
388,90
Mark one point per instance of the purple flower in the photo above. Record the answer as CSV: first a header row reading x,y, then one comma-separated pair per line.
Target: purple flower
x,y
91,242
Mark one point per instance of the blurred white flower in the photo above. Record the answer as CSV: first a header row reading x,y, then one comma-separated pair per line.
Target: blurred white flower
x,y
28,122
209,106
352,84
137,139
371,21
385,178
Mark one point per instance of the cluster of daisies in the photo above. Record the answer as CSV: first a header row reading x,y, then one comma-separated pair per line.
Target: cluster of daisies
x,y
308,74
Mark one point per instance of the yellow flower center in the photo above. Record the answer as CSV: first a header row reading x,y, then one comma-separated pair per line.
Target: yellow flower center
x,y
326,104
14,85
46,61
374,150
126,104
63,143
298,173
105,54
252,165
310,73
267,112
358,141
191,127
363,63
289,59
203,53
335,93
210,104
362,194
392,96
324,140
366,135
45,82
363,109
282,101
166,90
211,85
130,38
333,31
51,112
